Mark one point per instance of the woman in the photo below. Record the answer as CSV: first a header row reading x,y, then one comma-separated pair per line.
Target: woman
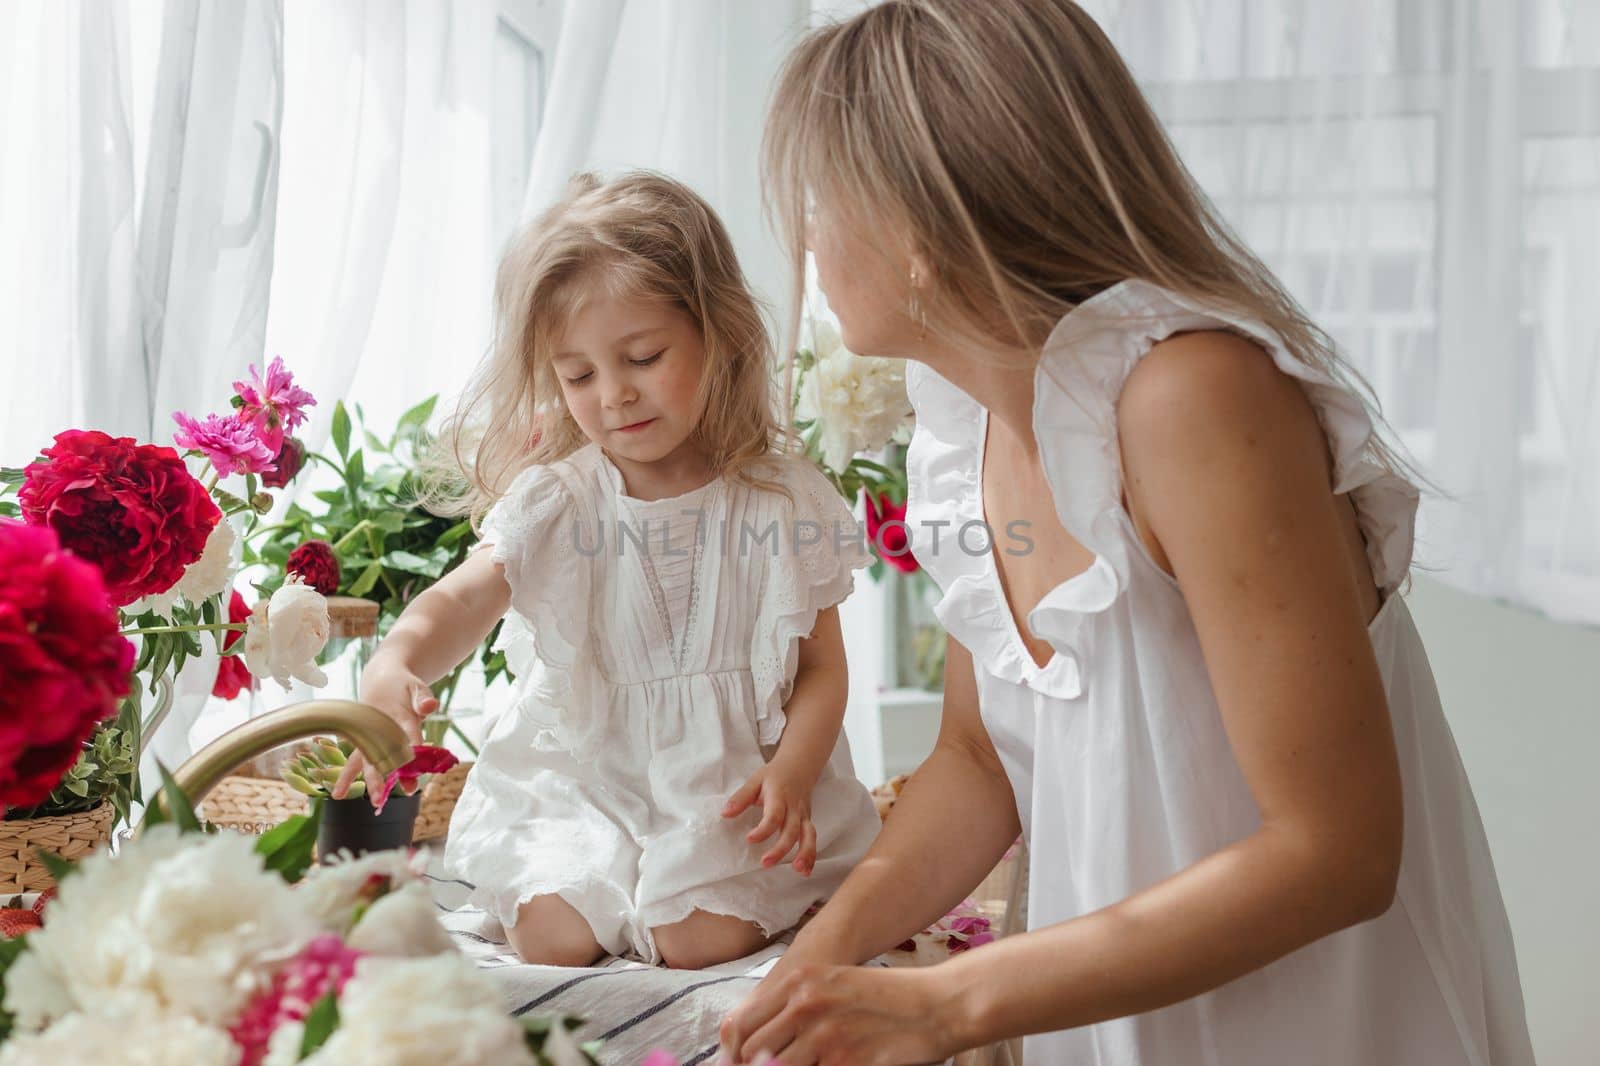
x,y
1183,669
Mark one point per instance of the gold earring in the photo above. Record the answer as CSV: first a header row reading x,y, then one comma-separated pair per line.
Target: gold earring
x,y
915,309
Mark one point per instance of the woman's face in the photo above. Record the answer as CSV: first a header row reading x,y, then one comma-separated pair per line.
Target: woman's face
x,y
865,272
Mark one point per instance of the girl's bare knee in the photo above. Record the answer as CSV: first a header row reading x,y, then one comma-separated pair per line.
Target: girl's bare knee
x,y
704,939
549,931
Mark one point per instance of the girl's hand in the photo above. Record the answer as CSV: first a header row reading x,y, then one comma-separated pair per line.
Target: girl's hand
x,y
785,799
811,1014
401,695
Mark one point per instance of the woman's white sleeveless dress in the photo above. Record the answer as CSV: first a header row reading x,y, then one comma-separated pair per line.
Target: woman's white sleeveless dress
x,y
1116,751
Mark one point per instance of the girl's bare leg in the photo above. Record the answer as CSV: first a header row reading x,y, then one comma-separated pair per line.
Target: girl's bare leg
x,y
549,931
705,939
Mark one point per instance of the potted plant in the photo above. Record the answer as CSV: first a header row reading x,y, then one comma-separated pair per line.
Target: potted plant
x,y
356,824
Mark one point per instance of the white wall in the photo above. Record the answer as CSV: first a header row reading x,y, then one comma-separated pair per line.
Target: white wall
x,y
1522,695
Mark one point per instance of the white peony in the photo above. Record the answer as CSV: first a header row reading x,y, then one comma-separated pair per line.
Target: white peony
x,y
159,602
185,925
451,1013
403,924
128,1037
213,572
331,889
859,402
285,635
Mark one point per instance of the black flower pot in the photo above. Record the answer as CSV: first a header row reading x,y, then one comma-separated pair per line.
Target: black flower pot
x,y
352,825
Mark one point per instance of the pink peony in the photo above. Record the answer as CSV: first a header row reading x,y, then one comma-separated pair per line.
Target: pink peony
x,y
133,510
425,759
325,965
273,402
233,444
233,677
63,663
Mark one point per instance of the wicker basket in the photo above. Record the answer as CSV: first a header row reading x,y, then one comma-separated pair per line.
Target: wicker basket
x,y
251,804
70,836
439,797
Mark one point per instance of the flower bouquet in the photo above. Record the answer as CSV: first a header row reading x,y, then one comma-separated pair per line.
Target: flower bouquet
x,y
120,540
222,950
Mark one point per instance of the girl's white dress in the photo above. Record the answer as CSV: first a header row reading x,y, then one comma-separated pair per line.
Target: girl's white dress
x,y
654,646
1117,755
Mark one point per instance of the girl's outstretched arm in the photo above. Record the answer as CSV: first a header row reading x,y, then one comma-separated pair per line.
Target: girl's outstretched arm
x,y
435,632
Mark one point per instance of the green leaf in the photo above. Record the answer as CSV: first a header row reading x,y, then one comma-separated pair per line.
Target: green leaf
x,y
418,416
10,510
449,537
331,497
413,564
369,578
321,1021
289,848
341,429
177,805
354,473
373,443
12,475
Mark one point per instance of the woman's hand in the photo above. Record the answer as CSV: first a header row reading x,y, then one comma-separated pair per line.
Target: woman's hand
x,y
785,797
401,695
811,1014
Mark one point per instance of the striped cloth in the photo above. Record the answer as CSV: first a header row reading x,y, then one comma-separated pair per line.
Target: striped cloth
x,y
629,1006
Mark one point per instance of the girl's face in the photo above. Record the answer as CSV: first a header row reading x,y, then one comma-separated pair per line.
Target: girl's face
x,y
866,275
630,374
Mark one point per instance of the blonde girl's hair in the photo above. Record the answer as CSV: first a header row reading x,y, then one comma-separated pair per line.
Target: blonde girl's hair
x,y
640,235
1008,142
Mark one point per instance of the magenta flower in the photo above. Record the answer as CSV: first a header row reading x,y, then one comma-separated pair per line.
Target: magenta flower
x,y
425,759
233,445
658,1057
272,402
325,965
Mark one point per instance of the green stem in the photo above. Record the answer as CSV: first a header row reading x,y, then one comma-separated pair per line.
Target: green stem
x,y
359,528
211,628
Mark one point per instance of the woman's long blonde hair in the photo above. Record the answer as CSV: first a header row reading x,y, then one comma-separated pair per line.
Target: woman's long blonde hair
x,y
642,235
1009,143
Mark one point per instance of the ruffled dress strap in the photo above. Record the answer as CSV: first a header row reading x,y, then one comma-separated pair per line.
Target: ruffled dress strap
x,y
1082,370
1084,366
822,544
533,532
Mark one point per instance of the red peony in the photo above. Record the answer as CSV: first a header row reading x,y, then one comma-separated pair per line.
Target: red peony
x,y
886,529
425,759
63,663
133,510
315,562
233,677
291,457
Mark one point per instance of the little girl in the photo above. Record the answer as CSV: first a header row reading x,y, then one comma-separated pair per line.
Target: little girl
x,y
672,583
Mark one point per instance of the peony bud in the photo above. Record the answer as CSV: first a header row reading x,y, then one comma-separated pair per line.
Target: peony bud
x,y
291,457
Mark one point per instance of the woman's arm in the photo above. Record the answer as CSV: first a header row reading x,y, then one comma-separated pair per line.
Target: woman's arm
x,y
1227,467
953,821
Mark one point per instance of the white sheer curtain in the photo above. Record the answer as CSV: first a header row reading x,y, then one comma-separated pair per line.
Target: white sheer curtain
x,y
1425,176
679,88
70,349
